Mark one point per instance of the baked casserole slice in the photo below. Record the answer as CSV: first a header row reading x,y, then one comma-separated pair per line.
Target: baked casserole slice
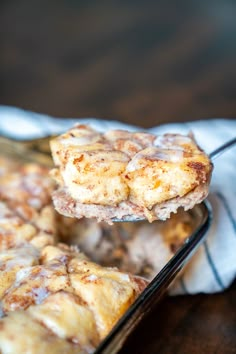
x,y
53,299
118,174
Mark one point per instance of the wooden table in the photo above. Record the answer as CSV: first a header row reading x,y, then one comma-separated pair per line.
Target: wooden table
x,y
144,63
189,325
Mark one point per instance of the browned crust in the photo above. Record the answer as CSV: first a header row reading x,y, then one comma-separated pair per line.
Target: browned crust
x,y
121,174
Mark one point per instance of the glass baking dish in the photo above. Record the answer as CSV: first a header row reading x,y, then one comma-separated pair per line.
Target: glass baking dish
x,y
152,294
201,214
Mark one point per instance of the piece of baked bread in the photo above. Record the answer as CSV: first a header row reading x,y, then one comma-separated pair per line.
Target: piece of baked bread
x,y
118,174
53,299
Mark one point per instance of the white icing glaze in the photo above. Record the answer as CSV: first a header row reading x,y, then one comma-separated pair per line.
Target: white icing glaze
x,y
92,277
154,154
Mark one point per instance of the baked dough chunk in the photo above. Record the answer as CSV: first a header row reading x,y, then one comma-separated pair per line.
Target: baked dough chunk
x,y
64,300
53,299
119,173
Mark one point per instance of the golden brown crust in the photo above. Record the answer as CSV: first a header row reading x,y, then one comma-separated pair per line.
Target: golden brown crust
x,y
88,299
121,173
52,298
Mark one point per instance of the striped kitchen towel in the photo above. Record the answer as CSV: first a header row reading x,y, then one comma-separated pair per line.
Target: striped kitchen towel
x,y
213,267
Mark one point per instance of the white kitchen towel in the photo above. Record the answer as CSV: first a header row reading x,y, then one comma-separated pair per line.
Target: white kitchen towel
x,y
213,267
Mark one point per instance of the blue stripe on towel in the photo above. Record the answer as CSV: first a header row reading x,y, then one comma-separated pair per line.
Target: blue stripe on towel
x,y
227,208
212,266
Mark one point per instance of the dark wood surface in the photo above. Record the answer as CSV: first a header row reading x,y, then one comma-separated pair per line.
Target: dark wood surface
x,y
188,325
144,63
